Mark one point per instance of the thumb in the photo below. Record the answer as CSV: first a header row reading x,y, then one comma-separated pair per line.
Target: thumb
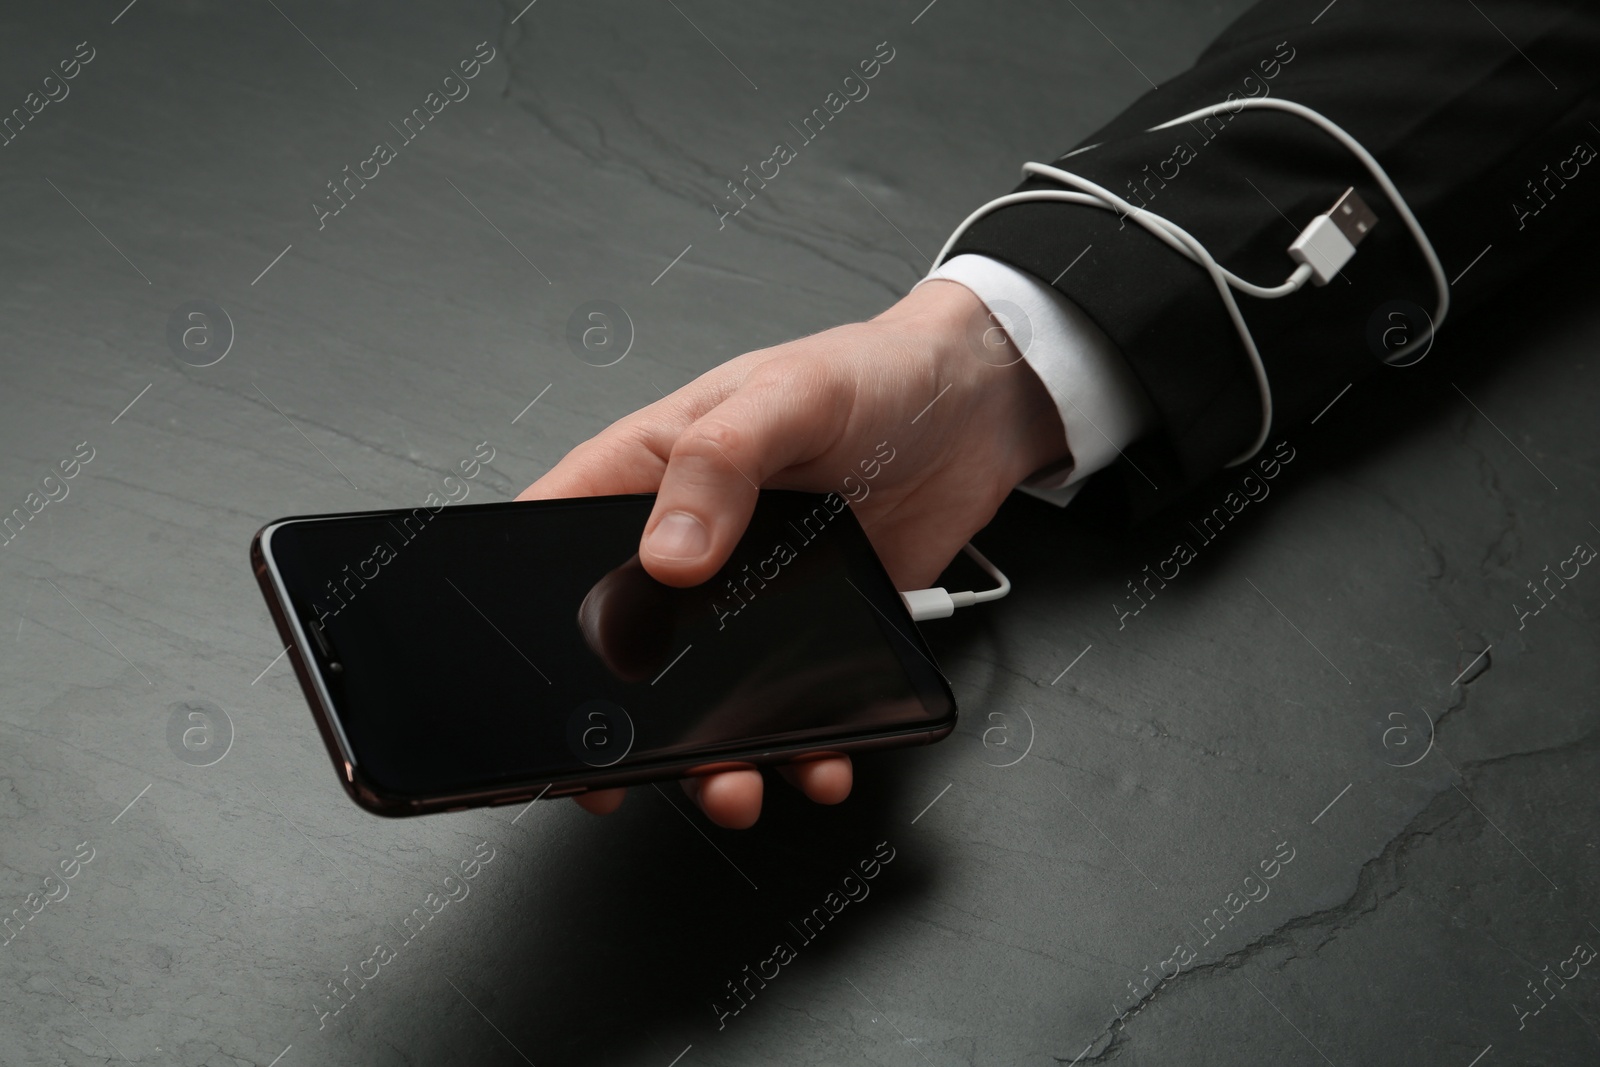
x,y
708,491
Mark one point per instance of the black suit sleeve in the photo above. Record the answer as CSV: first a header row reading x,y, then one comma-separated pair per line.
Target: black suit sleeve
x,y
1483,113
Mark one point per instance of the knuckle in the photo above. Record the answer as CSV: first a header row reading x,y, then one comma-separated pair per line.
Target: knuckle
x,y
711,439
808,398
793,379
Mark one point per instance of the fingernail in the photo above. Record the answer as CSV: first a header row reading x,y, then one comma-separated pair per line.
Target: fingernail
x,y
679,536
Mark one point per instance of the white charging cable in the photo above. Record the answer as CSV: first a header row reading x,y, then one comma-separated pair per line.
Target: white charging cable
x,y
1321,250
938,604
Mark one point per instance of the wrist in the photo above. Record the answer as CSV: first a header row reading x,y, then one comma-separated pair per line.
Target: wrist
x,y
974,353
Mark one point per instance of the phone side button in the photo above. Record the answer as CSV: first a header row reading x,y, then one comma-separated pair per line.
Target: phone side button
x,y
718,768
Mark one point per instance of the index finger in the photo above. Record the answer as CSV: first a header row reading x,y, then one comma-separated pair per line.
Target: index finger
x,y
630,455
624,458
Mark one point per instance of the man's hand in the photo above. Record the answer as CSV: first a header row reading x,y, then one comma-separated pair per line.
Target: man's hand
x,y
932,376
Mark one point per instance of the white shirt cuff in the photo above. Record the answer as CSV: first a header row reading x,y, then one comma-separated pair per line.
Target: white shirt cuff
x,y
1102,405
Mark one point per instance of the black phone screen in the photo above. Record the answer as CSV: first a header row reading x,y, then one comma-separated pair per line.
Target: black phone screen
x,y
478,646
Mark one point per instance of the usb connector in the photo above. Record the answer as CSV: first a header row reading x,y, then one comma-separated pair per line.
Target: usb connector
x,y
924,604
1328,243
1352,215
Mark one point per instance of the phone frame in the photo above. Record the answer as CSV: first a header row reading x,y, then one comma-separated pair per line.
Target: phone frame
x,y
374,798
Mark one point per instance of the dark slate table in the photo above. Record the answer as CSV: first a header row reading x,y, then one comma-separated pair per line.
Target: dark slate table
x,y
1341,690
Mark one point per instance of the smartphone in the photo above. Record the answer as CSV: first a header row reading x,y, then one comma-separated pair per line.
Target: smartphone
x,y
468,655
